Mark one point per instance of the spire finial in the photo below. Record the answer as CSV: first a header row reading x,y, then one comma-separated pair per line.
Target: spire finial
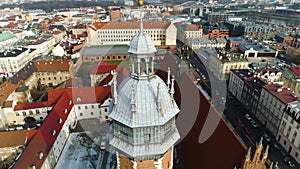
x,y
172,91
249,153
114,73
169,78
141,4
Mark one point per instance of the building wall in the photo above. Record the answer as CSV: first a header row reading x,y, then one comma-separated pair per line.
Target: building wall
x,y
17,117
53,78
270,111
160,36
235,85
289,134
165,162
14,64
96,78
221,70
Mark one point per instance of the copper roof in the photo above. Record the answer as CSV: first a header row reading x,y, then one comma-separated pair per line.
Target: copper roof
x,y
283,94
52,65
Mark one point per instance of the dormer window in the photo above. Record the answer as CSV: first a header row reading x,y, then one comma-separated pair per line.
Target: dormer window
x,y
78,99
70,102
59,121
53,132
65,110
40,155
31,167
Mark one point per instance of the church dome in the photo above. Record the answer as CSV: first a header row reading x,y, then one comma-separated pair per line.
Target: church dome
x,y
141,44
151,107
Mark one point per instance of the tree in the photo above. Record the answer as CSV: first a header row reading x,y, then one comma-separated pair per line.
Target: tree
x,y
39,86
3,79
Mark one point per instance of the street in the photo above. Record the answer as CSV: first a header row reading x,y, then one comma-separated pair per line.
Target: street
x,y
224,102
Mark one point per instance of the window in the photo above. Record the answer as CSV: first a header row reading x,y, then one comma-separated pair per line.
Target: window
x,y
30,112
79,108
105,109
92,106
80,114
24,113
86,107
147,137
37,111
284,143
92,113
17,114
296,154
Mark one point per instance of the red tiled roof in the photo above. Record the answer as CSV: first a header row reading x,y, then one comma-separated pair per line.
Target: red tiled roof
x,y
296,70
192,27
264,70
86,94
52,65
106,80
44,139
16,138
129,25
26,106
29,156
103,67
222,145
6,89
285,95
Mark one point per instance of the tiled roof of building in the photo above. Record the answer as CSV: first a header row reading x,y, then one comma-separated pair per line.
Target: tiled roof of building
x,y
16,138
12,53
26,106
6,89
222,145
129,25
5,36
256,83
73,82
82,95
104,50
48,132
7,104
296,70
265,70
282,93
103,67
24,73
52,65
243,73
192,27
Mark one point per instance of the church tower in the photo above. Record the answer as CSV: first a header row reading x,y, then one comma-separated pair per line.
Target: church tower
x,y
143,111
259,158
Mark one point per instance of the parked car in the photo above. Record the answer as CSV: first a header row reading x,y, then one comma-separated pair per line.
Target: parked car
x,y
289,162
247,116
238,120
247,131
253,123
102,145
266,137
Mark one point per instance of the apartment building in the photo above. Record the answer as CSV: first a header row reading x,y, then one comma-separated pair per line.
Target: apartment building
x,y
272,102
236,82
185,31
163,34
53,72
11,61
289,133
221,64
